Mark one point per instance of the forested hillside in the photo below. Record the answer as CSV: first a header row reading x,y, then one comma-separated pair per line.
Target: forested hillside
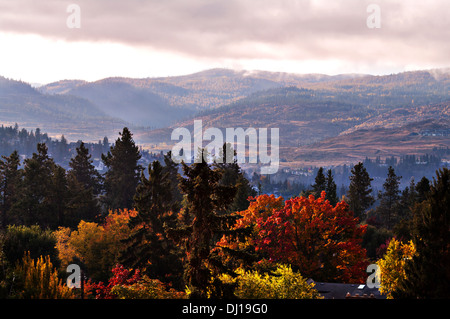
x,y
202,231
330,108
306,108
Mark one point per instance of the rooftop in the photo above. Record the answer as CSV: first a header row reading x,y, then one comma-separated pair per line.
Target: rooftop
x,y
343,291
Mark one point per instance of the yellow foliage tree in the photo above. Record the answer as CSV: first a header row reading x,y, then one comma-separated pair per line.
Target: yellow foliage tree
x,y
38,279
392,265
282,284
98,247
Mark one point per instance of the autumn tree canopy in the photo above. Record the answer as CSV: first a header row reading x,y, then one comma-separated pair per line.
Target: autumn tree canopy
x,y
320,240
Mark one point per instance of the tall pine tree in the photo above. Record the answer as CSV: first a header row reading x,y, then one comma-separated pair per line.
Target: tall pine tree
x,y
83,170
203,222
58,195
389,198
84,186
232,175
406,201
170,169
428,272
34,206
422,188
148,245
10,179
330,189
123,173
320,183
359,191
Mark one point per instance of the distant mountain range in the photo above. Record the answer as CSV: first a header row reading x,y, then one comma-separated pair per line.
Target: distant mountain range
x,y
76,117
314,111
310,110
159,102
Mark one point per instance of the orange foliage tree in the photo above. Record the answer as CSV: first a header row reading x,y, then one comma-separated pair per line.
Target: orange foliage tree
x,y
321,241
260,207
97,246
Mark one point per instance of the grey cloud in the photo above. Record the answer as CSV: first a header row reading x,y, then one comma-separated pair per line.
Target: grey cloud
x,y
304,29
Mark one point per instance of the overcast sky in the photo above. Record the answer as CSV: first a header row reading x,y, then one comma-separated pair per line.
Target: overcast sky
x,y
146,38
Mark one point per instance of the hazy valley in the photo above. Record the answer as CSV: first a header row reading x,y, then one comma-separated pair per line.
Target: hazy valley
x,y
322,119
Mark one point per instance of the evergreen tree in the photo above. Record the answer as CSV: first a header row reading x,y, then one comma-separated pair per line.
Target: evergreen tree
x,y
38,135
123,172
105,145
422,188
34,205
404,208
412,198
428,272
232,175
359,191
330,189
58,196
84,171
170,169
81,204
148,245
203,222
226,162
407,200
320,183
389,198
10,178
243,192
61,150
84,186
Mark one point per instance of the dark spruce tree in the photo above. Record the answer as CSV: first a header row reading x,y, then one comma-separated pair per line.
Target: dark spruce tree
x,y
428,272
404,209
10,179
330,189
170,169
61,150
320,183
123,174
389,198
232,175
359,195
422,189
58,195
409,197
84,186
81,204
148,246
204,220
34,206
82,169
243,192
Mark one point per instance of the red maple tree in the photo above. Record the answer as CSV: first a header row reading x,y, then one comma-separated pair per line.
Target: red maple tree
x,y
322,241
121,276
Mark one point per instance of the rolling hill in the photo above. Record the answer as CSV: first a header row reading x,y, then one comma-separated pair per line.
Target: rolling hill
x,y
75,117
414,138
160,102
317,111
312,111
